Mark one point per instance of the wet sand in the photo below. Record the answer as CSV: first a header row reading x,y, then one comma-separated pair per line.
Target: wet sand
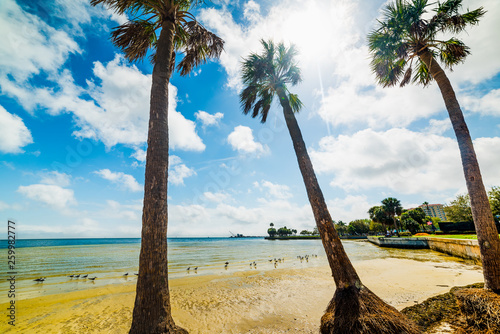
x,y
253,301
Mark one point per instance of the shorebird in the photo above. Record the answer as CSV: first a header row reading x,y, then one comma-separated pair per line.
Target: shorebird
x,y
85,276
41,279
195,269
77,276
92,278
188,268
136,274
126,274
71,276
225,265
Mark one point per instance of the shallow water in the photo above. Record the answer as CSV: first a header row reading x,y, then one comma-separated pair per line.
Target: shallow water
x,y
110,261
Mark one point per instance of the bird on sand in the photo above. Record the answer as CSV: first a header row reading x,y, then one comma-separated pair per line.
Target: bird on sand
x,y
41,279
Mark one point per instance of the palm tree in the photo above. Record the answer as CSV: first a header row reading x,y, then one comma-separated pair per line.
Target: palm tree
x,y
164,27
392,208
406,39
378,215
354,308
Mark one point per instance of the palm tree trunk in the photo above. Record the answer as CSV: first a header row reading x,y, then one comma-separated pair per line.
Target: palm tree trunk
x,y
343,271
487,234
152,303
353,308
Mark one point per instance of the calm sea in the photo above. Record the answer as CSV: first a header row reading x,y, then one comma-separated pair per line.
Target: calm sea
x,y
110,259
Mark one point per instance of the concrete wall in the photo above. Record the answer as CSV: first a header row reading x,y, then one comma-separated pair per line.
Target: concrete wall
x,y
467,249
414,243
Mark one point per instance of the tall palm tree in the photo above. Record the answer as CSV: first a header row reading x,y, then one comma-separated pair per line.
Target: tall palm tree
x,y
392,207
354,308
406,39
166,28
378,215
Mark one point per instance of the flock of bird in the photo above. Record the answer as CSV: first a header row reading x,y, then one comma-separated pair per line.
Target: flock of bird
x,y
254,263
86,276
195,269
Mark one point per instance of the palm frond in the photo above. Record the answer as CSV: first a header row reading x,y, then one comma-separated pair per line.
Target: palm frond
x,y
134,38
200,46
264,75
295,102
422,75
453,51
248,97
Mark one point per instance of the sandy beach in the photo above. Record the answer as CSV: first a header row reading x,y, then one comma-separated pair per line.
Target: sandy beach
x,y
272,301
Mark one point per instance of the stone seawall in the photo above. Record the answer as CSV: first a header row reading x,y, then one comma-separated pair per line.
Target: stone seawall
x,y
466,249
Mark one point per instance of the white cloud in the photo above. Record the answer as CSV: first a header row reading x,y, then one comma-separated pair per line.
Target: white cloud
x,y
117,210
123,97
118,110
248,220
278,191
177,171
124,180
30,45
242,140
218,197
13,133
402,160
207,119
349,208
488,104
52,195
55,178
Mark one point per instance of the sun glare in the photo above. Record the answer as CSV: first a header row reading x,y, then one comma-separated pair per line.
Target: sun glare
x,y
318,30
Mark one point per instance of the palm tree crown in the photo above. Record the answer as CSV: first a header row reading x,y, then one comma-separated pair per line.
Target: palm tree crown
x,y
403,35
140,34
266,75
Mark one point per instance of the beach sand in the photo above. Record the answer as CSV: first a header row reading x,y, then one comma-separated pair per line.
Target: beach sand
x,y
253,301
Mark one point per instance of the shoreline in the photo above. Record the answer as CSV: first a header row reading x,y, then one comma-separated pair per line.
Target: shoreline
x,y
257,301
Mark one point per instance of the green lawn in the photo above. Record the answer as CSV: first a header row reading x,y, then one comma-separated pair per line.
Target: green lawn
x,y
454,236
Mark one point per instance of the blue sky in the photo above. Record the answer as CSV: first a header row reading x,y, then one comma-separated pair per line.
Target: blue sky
x,y
74,113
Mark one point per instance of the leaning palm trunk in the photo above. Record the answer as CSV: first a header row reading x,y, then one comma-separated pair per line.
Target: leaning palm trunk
x,y
487,234
152,302
353,308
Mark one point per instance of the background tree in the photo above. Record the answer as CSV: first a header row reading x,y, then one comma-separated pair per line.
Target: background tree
x,y
392,207
378,215
409,223
284,231
418,215
305,232
406,38
359,226
266,76
271,231
163,27
341,227
377,227
494,198
459,209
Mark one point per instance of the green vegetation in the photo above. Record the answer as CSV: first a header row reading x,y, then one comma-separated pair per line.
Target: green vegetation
x,y
459,209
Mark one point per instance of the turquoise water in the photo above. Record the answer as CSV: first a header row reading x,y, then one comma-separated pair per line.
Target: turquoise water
x,y
110,259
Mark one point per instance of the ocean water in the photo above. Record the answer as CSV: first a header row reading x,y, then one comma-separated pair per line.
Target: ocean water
x,y
110,259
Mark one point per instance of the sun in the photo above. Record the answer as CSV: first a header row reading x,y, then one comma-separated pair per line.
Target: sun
x,y
319,29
